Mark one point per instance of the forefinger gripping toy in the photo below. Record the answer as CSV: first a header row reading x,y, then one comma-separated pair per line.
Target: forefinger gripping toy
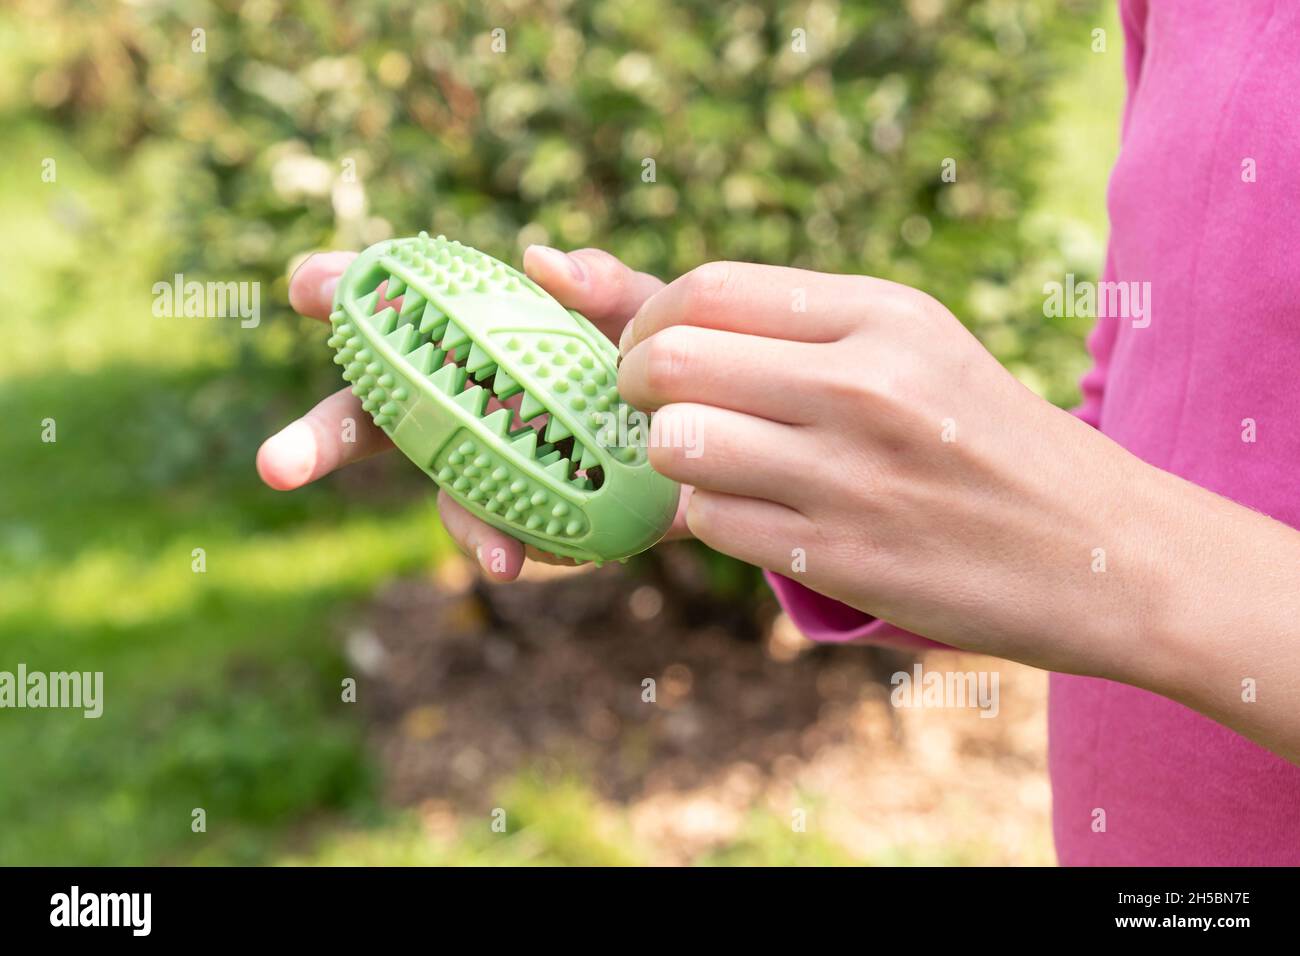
x,y
566,470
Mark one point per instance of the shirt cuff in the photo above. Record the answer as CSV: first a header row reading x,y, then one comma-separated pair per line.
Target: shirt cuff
x,y
829,621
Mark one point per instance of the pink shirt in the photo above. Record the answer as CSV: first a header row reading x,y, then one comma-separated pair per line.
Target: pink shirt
x,y
1214,89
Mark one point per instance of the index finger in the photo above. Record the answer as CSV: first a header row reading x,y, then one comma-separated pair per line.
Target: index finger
x,y
311,287
773,301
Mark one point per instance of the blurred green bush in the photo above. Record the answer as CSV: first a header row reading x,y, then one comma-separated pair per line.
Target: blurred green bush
x,y
669,133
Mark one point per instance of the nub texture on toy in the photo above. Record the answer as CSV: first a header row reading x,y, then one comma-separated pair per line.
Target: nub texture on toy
x,y
563,468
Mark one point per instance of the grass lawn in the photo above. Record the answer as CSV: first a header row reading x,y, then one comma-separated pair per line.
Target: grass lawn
x,y
221,687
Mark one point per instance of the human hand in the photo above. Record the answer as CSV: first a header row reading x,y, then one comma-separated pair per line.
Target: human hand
x,y
851,434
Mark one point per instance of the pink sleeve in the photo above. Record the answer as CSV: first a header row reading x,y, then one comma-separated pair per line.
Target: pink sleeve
x,y
830,621
824,619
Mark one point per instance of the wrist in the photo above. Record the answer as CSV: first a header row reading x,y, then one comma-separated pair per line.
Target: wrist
x,y
1222,602
1165,586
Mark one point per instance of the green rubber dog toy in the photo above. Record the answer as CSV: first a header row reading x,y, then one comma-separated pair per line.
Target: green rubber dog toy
x,y
566,472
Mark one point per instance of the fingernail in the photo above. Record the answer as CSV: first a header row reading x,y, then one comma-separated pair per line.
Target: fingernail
x,y
296,435
559,260
294,448
327,288
299,267
295,301
625,339
483,561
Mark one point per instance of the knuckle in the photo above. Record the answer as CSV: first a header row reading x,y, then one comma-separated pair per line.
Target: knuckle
x,y
847,384
663,459
884,390
916,308
606,282
898,296
603,267
702,516
669,359
886,385
709,284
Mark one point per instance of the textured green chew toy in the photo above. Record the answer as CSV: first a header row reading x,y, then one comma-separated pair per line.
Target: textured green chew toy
x,y
567,472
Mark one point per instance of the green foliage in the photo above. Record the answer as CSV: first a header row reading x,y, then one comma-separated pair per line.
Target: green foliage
x,y
808,134
537,821
222,688
767,839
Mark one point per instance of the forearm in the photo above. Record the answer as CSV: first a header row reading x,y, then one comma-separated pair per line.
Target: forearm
x,y
1222,618
1139,576
1091,561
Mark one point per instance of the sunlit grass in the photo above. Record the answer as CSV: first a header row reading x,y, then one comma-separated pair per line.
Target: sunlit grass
x,y
534,822
119,586
562,823
221,685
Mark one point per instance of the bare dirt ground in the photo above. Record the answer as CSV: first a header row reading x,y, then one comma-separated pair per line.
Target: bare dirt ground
x,y
468,684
